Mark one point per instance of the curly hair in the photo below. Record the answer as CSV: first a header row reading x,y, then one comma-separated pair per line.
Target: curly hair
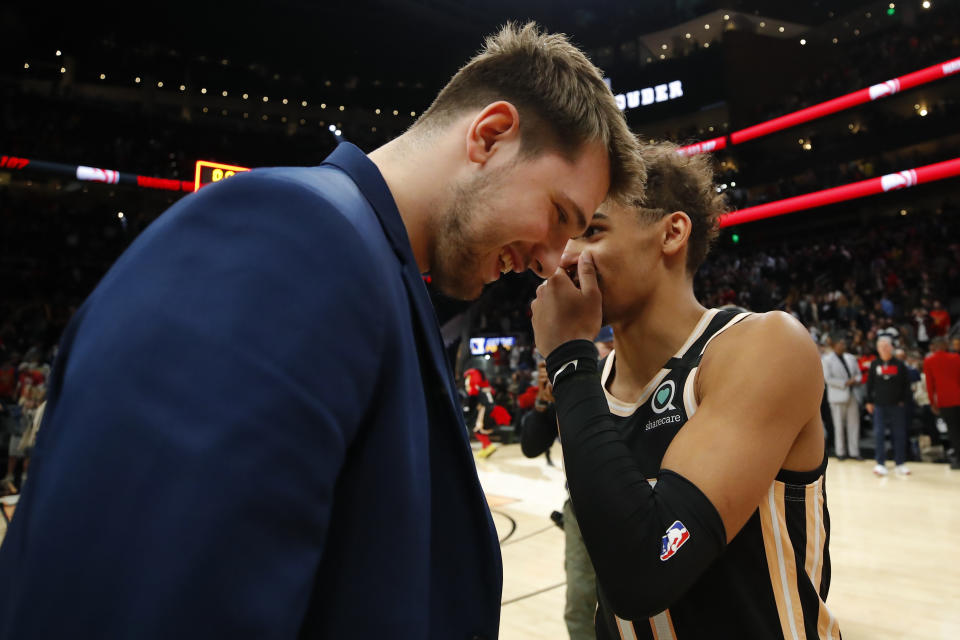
x,y
677,182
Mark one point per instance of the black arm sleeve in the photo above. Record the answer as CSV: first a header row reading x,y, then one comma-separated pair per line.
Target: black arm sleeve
x,y
648,544
538,430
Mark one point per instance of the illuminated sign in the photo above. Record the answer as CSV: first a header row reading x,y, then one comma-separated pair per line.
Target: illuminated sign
x,y
10,162
208,172
481,346
649,95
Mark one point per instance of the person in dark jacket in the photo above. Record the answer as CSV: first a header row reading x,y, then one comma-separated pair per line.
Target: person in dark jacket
x,y
888,392
538,433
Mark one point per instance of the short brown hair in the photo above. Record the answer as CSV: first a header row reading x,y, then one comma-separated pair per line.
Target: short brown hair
x,y
677,182
559,93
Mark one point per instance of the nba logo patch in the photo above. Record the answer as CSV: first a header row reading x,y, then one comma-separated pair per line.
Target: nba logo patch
x,y
677,536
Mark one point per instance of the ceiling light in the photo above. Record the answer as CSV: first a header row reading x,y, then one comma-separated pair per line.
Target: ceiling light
x,y
26,65
159,85
59,53
303,104
224,94
923,112
664,47
341,107
103,76
284,101
780,29
803,41
706,26
203,90
688,36
183,88
137,79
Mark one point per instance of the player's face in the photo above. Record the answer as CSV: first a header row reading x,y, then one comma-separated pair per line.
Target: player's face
x,y
514,215
626,252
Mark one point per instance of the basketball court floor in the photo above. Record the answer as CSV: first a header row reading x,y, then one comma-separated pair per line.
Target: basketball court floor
x,y
895,548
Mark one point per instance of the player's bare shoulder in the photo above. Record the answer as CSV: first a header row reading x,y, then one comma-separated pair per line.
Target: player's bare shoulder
x,y
772,330
764,344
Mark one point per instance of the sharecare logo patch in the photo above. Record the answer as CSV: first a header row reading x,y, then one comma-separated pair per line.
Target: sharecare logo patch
x,y
677,536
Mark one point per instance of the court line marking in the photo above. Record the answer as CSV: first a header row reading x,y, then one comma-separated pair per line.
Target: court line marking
x,y
513,525
529,535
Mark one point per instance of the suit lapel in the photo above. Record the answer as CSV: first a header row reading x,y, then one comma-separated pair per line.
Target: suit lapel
x,y
367,176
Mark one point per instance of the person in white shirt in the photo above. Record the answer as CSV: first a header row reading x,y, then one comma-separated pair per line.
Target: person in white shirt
x,y
842,374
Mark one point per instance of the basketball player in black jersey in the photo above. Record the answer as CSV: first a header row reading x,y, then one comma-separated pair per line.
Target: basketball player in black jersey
x,y
695,450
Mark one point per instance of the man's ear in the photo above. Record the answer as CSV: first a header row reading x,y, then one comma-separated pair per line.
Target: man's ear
x,y
495,126
676,232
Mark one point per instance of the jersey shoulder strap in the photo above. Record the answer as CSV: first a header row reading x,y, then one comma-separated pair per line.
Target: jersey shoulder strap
x,y
723,320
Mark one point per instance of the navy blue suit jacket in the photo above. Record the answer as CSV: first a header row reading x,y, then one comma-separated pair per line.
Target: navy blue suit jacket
x,y
252,432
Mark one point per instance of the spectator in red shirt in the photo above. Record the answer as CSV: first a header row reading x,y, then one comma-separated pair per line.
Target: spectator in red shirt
x,y
480,399
8,377
941,319
942,370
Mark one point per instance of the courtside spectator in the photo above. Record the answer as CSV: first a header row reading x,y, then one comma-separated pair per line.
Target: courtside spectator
x,y
942,370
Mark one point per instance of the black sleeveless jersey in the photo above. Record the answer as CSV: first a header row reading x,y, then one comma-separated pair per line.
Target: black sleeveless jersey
x,y
772,580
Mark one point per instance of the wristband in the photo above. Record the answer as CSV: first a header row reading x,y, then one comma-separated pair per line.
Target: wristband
x,y
571,357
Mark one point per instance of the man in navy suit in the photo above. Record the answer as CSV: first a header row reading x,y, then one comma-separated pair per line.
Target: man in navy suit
x,y
252,429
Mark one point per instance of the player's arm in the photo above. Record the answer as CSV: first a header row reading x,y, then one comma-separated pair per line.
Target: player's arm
x,y
713,475
538,430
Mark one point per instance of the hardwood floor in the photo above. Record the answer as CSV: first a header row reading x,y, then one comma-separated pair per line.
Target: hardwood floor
x,y
895,548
